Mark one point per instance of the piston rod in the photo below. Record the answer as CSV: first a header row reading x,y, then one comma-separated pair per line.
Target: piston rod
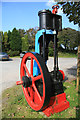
x,y
55,56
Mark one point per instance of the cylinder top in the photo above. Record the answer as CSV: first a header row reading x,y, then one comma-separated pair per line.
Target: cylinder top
x,y
44,11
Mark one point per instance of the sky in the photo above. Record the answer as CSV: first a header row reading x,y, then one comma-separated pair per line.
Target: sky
x,y
24,15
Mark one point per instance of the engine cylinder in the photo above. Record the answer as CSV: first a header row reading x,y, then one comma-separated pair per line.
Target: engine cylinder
x,y
47,20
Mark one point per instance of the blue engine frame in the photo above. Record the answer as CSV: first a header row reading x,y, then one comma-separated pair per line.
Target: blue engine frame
x,y
37,49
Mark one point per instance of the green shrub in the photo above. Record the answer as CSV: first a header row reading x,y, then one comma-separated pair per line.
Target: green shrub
x,y
51,52
13,53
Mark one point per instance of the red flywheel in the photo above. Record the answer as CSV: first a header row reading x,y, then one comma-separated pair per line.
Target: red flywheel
x,y
37,88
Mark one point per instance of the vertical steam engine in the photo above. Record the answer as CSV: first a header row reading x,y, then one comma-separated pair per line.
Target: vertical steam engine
x,y
43,90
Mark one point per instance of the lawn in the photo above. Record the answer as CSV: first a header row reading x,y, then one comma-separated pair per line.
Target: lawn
x,y
14,104
67,55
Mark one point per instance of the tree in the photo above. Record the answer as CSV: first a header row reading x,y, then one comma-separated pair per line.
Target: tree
x,y
51,49
9,39
15,43
1,40
72,11
78,63
68,37
25,43
31,36
5,40
21,32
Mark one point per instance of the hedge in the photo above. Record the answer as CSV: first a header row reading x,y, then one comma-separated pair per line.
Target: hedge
x,y
13,53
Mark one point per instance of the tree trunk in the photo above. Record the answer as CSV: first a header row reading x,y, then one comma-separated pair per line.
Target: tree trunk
x,y
78,64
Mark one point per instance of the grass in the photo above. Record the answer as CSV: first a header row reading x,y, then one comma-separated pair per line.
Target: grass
x,y
14,104
67,55
15,57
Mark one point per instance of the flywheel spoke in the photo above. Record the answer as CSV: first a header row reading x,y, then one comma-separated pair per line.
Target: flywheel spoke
x,y
31,93
37,92
37,78
31,66
26,70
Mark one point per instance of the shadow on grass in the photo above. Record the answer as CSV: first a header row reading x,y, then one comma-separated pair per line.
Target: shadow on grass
x,y
64,88
72,71
78,112
78,107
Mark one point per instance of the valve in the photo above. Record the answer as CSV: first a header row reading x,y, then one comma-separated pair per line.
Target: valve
x,y
55,8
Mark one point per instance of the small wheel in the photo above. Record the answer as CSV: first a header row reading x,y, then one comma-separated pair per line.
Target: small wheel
x,y
38,92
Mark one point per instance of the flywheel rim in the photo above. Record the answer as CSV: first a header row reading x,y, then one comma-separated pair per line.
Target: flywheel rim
x,y
42,100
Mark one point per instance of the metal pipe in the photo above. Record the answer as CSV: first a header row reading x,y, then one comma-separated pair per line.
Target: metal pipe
x,y
55,51
44,45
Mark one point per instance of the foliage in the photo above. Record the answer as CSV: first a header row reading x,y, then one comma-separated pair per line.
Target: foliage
x,y
9,39
1,34
5,40
21,32
15,43
25,43
19,40
51,49
1,40
69,38
13,53
31,36
72,10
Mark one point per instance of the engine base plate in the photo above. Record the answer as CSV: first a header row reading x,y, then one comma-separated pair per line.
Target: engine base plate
x,y
57,104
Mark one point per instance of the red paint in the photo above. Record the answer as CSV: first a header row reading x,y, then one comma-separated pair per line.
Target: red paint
x,y
31,66
56,104
62,74
19,82
32,95
55,8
